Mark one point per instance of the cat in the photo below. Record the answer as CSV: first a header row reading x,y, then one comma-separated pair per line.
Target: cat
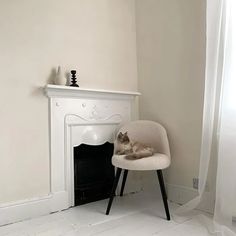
x,y
132,150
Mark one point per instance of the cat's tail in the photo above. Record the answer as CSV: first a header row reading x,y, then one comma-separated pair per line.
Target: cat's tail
x,y
139,155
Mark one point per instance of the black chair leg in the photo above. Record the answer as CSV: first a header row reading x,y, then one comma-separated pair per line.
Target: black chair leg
x,y
116,180
163,193
123,182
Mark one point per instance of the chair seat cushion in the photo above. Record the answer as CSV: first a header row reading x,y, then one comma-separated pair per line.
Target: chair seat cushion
x,y
156,162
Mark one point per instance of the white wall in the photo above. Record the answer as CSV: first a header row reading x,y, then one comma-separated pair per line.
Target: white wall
x,y
171,57
95,37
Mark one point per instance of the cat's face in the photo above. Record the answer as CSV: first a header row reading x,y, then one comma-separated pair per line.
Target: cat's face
x,y
123,138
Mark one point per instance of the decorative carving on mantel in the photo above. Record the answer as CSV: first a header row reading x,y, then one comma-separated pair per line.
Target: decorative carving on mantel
x,y
115,118
95,114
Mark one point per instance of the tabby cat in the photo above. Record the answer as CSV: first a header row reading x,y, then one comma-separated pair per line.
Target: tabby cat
x,y
132,150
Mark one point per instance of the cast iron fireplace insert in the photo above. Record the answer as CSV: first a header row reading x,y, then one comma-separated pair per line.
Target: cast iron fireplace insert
x,y
93,172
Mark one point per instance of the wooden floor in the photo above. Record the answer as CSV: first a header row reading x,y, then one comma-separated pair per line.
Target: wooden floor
x,y
133,215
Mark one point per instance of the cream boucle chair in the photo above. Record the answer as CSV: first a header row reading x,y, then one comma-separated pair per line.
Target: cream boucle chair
x,y
154,135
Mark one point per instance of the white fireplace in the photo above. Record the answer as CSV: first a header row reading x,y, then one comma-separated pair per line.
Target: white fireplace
x,y
76,116
81,116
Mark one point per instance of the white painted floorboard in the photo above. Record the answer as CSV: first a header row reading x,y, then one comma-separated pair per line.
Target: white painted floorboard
x,y
136,214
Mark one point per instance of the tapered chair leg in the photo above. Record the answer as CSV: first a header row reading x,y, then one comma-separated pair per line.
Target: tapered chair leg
x,y
123,182
116,180
163,193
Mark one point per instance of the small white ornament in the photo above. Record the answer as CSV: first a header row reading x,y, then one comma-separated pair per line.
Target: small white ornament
x,y
60,78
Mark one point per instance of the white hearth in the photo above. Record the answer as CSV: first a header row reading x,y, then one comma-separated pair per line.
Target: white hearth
x,y
81,116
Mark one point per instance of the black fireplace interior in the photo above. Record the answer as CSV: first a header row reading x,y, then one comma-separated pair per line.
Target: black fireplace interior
x,y
93,172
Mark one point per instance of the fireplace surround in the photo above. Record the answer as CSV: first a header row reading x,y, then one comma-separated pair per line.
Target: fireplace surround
x,y
81,116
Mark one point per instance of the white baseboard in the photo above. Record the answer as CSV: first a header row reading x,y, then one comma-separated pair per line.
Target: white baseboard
x,y
176,193
29,208
181,194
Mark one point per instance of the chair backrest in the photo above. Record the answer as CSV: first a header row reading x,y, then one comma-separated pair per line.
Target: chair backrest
x,y
150,133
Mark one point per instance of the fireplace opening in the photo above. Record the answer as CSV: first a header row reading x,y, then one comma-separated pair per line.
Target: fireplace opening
x,y
93,172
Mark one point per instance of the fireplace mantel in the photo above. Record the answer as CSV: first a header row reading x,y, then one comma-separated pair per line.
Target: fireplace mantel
x,y
81,115
77,92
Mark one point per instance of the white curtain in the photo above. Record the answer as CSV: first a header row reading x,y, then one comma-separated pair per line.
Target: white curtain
x,y
219,115
225,207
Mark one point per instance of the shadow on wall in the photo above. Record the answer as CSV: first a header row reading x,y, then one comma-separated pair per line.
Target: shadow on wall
x,y
39,91
52,75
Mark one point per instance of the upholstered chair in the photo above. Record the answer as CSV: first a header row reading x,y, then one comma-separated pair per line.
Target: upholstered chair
x,y
153,135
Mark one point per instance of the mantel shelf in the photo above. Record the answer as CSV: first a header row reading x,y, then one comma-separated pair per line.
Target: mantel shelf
x,y
67,91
